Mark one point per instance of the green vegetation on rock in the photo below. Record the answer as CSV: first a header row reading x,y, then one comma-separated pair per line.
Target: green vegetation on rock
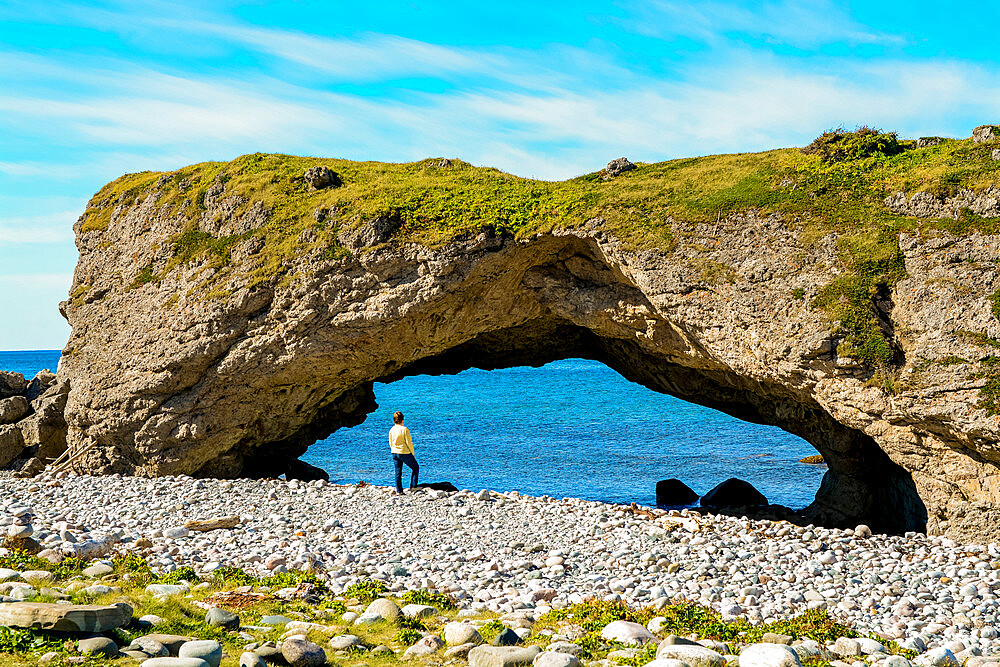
x,y
836,185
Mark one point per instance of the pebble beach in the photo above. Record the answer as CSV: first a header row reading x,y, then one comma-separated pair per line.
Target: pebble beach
x,y
509,553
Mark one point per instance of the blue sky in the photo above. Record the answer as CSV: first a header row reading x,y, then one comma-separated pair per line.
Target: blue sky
x,y
92,90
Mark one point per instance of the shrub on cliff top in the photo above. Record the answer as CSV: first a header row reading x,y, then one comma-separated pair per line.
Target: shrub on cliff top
x,y
840,145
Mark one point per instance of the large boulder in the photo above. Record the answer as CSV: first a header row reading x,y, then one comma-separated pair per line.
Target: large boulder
x,y
503,656
618,166
985,133
64,617
12,384
733,493
11,443
320,177
674,493
12,409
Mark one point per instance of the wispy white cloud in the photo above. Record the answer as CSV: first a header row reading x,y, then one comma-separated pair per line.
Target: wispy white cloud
x,y
796,23
46,228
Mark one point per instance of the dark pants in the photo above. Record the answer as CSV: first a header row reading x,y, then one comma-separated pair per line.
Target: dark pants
x,y
411,461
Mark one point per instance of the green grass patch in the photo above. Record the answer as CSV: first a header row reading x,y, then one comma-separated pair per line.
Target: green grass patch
x,y
432,598
366,591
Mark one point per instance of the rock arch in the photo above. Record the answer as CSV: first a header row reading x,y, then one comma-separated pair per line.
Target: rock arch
x,y
243,384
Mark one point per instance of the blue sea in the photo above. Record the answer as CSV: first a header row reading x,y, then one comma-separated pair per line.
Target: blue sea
x,y
570,428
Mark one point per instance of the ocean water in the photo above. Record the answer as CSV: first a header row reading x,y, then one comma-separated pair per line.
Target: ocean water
x,y
570,428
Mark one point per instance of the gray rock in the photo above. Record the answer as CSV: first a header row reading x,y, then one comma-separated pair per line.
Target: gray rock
x,y
11,443
302,653
97,570
98,646
386,609
172,643
418,611
769,655
938,657
166,590
13,409
846,647
985,133
457,633
222,618
694,656
208,650
344,642
618,166
674,640
555,659
150,647
461,651
507,637
774,638
12,384
275,620
251,659
65,617
175,662
897,661
502,656
628,633
320,177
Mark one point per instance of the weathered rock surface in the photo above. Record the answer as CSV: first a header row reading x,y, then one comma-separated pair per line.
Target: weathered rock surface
x,y
64,617
160,378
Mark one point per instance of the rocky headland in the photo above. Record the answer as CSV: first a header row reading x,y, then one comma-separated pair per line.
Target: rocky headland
x,y
227,315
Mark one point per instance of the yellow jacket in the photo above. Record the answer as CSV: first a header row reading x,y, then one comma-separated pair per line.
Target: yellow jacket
x,y
400,441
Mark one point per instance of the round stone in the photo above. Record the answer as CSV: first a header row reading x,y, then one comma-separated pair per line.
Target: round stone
x,y
99,646
302,653
222,618
208,650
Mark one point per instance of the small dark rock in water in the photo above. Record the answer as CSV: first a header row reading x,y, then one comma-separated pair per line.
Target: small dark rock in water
x,y
815,458
439,486
507,638
321,177
733,493
674,492
618,166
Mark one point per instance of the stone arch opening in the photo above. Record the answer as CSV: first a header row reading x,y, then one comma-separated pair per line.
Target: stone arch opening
x,y
573,428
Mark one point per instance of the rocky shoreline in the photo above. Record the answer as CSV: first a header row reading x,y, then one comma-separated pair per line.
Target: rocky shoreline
x,y
502,554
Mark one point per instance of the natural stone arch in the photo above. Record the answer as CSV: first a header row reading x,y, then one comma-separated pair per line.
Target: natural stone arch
x,y
250,382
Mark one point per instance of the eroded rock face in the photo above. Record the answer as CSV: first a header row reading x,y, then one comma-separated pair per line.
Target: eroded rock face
x,y
32,427
169,377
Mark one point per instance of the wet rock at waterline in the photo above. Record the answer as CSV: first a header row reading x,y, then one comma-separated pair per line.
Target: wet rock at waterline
x,y
733,493
674,493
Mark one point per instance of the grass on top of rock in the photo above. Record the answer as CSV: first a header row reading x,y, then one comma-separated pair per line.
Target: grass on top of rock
x,y
835,185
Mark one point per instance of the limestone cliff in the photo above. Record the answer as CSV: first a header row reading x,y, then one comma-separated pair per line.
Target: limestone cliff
x,y
227,315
